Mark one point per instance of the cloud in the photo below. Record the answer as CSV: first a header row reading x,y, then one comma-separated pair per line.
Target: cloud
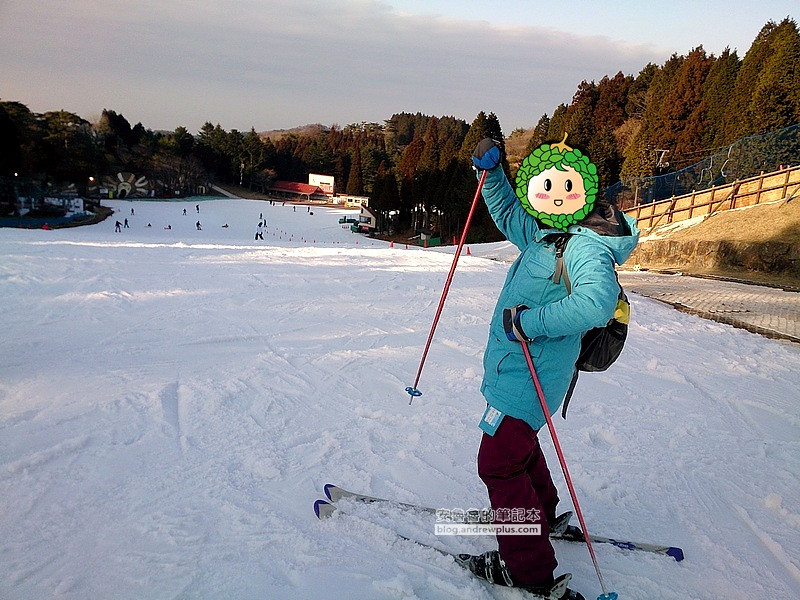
x,y
282,63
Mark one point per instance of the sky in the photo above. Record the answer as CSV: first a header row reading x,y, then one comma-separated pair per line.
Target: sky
x,y
278,64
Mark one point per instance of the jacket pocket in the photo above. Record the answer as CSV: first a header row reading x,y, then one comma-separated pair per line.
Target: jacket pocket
x,y
532,280
539,265
507,372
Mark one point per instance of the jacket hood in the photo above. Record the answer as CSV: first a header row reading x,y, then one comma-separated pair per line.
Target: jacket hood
x,y
606,222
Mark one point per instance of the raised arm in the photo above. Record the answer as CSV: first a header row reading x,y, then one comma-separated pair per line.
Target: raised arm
x,y
511,218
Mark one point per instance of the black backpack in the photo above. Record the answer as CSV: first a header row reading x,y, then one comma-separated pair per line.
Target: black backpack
x,y
601,346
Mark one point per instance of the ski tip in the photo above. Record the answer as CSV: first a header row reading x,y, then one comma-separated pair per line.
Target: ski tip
x,y
323,509
327,490
675,553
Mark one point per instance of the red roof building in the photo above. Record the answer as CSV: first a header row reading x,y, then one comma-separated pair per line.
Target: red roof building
x,y
291,188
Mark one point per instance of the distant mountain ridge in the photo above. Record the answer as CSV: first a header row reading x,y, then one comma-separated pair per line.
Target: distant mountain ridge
x,y
310,129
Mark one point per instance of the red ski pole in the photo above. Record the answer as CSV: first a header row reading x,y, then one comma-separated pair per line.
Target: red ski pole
x,y
412,389
552,428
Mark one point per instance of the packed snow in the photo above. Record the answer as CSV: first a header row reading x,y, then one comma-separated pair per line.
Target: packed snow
x,y
172,403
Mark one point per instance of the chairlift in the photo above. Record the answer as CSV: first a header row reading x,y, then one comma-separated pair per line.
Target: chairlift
x,y
727,160
710,170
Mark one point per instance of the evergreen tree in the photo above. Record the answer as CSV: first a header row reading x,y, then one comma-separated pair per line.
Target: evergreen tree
x,y
682,110
115,134
429,159
411,157
10,151
641,156
579,118
612,100
766,96
775,101
477,131
557,125
355,181
69,147
539,136
483,228
636,101
716,95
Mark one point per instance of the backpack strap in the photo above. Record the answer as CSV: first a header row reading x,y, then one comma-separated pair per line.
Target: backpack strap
x,y
561,270
568,397
561,273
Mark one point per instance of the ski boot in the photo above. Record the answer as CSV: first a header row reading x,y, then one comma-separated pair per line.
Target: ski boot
x,y
492,568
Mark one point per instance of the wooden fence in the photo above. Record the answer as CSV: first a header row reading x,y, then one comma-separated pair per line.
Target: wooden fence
x,y
763,188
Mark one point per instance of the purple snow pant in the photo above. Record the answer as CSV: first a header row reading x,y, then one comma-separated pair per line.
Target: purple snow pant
x,y
513,467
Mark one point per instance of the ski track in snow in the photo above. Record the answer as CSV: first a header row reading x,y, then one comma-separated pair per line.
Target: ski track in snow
x,y
172,402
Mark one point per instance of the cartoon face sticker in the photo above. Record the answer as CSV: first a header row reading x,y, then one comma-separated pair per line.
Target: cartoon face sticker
x,y
557,184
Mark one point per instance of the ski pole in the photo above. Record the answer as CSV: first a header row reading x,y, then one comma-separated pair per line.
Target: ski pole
x,y
412,389
605,595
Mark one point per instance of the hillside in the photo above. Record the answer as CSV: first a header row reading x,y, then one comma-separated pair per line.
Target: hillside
x,y
758,243
516,144
309,130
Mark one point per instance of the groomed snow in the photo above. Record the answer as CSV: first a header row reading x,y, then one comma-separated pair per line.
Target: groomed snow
x,y
172,402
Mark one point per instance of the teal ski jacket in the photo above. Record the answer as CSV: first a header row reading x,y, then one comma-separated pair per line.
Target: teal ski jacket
x,y
556,320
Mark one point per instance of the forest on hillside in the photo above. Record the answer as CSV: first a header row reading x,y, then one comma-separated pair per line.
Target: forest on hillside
x,y
417,166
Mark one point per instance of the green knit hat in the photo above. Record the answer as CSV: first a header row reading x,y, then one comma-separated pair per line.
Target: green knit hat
x,y
558,156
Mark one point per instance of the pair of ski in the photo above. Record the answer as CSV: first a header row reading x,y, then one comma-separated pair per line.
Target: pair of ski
x,y
561,531
568,533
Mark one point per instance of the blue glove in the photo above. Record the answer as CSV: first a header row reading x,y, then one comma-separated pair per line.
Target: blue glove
x,y
512,324
486,155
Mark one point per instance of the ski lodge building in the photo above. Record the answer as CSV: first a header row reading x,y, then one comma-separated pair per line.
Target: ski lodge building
x,y
320,188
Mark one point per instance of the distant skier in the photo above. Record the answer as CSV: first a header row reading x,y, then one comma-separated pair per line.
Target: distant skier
x,y
184,212
199,227
117,226
259,232
168,227
197,208
126,226
132,213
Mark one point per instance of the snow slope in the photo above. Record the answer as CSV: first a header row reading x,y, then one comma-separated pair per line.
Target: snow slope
x,y
172,402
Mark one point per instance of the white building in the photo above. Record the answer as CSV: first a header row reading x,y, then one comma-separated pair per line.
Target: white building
x,y
324,182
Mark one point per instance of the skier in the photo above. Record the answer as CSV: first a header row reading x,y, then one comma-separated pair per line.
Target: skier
x,y
118,227
197,208
554,196
126,226
259,232
199,228
132,213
